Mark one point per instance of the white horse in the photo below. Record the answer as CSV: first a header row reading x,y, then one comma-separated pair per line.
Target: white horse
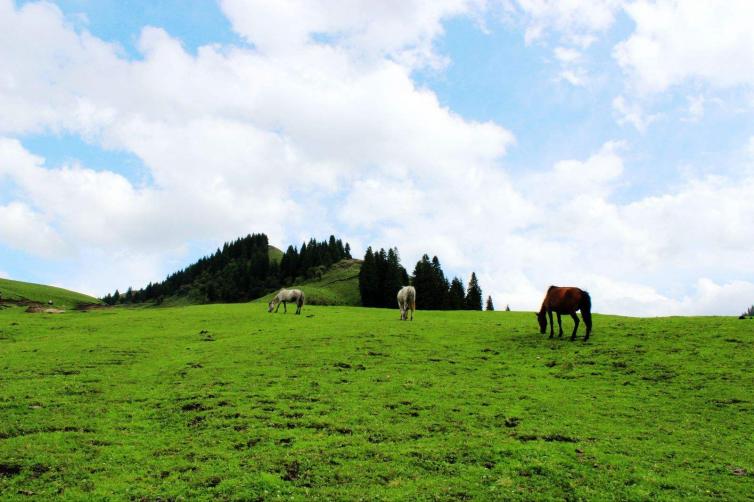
x,y
407,301
287,295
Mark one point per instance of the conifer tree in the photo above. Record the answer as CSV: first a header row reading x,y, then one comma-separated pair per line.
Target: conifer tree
x,y
473,294
489,304
369,280
422,280
394,274
456,300
441,285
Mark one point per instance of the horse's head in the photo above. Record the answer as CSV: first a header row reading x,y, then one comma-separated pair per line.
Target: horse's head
x,y
270,306
542,318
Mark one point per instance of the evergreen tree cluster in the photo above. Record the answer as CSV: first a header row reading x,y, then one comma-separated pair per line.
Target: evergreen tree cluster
x,y
380,278
312,259
239,272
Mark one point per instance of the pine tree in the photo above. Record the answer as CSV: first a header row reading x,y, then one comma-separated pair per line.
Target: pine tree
x,y
393,278
489,304
473,294
422,280
457,299
369,280
440,285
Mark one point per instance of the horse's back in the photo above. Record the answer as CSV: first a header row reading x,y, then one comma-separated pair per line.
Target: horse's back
x,y
290,295
565,299
406,294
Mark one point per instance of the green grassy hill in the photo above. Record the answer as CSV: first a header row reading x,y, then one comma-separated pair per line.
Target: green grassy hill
x,y
275,254
229,402
338,286
61,298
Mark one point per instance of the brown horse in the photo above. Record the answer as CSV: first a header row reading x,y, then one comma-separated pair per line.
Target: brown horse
x,y
565,301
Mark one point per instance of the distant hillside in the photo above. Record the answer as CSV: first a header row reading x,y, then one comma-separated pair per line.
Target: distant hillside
x,y
39,293
239,271
275,254
338,286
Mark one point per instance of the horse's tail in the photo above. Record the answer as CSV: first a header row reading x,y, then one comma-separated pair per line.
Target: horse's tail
x,y
300,302
586,308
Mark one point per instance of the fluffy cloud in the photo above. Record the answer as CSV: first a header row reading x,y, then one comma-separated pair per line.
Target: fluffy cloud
x,y
320,128
578,20
575,25
632,113
675,41
27,230
403,30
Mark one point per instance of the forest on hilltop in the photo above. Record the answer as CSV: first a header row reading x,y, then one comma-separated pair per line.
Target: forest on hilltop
x,y
240,271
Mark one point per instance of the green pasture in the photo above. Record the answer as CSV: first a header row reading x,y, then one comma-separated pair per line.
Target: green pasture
x,y
339,285
228,402
61,298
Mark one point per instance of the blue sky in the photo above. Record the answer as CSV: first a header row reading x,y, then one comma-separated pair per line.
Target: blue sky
x,y
607,144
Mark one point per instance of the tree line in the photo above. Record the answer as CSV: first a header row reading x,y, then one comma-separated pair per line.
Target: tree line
x,y
382,275
239,271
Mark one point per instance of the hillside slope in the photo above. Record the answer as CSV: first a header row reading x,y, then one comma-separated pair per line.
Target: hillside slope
x,y
39,293
338,286
274,253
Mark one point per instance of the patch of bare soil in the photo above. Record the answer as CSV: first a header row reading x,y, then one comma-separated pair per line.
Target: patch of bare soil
x,y
41,309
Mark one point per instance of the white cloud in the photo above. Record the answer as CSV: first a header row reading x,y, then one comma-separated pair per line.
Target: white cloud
x,y
574,24
577,20
399,29
677,41
632,113
695,107
320,127
26,230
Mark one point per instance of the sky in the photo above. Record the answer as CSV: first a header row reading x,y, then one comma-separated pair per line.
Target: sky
x,y
605,144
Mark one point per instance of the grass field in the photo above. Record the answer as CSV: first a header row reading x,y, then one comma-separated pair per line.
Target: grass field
x,y
339,285
61,298
341,403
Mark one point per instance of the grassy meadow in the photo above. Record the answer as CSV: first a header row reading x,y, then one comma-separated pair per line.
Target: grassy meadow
x,y
338,285
228,402
26,291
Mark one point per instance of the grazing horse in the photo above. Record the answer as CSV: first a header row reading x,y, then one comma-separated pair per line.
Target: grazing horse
x,y
407,301
287,295
566,301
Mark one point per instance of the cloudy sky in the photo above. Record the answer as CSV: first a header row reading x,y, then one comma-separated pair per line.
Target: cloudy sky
x,y
607,144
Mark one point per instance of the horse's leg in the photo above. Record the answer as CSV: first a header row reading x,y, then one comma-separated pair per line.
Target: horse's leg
x,y
412,314
552,326
285,307
575,325
588,321
277,308
560,325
